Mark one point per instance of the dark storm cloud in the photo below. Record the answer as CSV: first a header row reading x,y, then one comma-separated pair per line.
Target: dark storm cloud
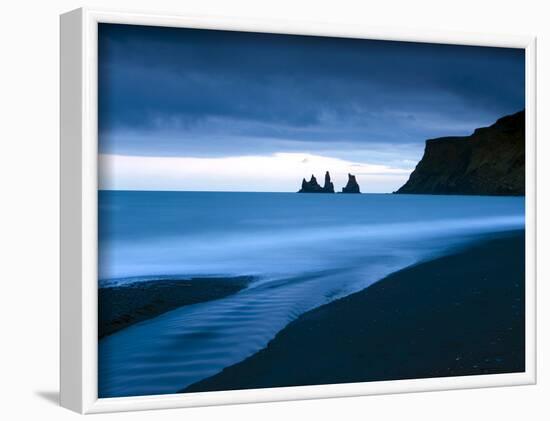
x,y
166,91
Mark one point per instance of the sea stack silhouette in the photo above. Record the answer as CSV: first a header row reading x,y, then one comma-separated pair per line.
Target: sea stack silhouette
x,y
352,186
329,185
312,186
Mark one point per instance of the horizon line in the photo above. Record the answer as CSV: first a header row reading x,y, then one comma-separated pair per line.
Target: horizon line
x,y
227,191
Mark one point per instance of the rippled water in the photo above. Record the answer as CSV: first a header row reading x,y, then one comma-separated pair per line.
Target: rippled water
x,y
305,250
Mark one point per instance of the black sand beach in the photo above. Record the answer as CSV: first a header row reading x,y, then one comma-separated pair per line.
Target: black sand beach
x,y
457,315
122,306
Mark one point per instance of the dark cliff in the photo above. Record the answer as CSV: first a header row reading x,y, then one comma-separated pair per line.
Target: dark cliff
x,y
491,161
352,186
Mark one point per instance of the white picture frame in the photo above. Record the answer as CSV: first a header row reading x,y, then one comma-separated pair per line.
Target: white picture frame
x,y
79,186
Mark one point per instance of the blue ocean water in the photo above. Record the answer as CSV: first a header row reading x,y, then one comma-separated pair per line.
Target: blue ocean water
x,y
304,250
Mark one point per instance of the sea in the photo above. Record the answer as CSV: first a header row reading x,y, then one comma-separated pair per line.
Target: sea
x,y
302,250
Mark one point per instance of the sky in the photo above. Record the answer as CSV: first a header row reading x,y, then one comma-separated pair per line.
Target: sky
x,y
202,110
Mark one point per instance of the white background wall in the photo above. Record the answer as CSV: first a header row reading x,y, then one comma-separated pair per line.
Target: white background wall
x,y
29,205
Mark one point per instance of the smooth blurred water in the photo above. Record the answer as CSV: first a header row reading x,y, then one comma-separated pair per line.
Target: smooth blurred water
x,y
304,249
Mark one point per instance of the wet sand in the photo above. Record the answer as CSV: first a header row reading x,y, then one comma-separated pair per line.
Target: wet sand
x,y
457,315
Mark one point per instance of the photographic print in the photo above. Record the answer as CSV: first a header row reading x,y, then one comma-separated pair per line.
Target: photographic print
x,y
283,210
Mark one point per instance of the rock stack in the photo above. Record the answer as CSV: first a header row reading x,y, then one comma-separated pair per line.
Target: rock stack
x,y
312,186
352,186
329,185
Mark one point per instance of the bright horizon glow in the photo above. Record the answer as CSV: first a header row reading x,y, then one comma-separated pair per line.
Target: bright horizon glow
x,y
278,172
